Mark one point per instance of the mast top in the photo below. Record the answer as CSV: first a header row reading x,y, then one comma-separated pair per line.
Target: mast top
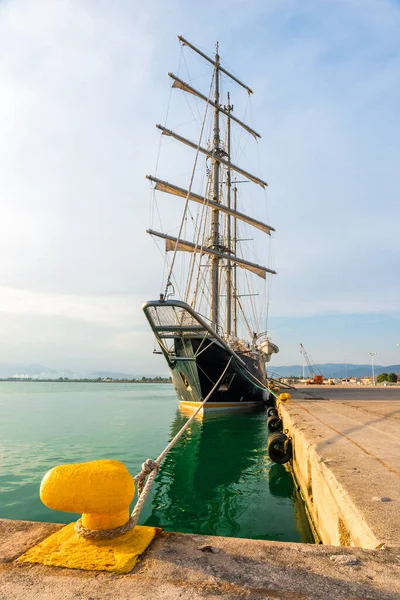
x,y
229,107
215,62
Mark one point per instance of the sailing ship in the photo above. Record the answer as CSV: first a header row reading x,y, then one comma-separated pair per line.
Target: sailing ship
x,y
198,348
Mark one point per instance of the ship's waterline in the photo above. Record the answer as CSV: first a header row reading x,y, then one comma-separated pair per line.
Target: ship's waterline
x,y
218,480
219,406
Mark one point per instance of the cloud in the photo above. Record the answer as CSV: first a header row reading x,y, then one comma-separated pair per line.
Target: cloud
x,y
114,310
78,345
73,81
83,83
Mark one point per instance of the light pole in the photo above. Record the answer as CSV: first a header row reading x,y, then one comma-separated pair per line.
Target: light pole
x,y
372,354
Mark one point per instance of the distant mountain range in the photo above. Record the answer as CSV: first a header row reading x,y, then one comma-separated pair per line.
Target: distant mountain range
x,y
337,370
36,371
334,370
31,370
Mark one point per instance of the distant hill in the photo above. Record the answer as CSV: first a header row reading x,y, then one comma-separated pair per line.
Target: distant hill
x,y
111,374
31,370
37,371
337,370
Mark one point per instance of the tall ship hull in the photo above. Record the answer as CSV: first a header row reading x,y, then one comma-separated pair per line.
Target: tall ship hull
x,y
209,357
197,356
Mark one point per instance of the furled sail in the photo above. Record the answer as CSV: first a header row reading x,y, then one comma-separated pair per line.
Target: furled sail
x,y
172,243
182,85
169,188
213,155
210,60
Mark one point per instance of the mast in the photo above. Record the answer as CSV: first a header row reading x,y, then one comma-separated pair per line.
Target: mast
x,y
228,225
221,250
214,277
234,247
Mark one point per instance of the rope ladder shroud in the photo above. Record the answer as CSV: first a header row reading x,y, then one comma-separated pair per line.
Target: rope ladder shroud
x,y
149,470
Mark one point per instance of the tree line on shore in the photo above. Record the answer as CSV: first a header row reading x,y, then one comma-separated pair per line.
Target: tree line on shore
x,y
390,377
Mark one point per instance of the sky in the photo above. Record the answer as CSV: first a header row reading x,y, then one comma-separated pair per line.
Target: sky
x,y
82,84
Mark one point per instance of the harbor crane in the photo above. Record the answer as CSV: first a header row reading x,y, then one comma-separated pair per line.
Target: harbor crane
x,y
316,373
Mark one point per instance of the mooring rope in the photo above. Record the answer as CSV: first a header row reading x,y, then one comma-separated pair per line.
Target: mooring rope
x,y
149,470
262,385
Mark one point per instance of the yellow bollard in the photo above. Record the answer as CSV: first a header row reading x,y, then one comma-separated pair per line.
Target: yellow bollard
x,y
284,397
101,491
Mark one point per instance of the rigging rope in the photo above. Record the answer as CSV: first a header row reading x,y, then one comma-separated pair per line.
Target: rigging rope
x,y
154,203
149,469
197,245
244,316
165,258
190,188
262,385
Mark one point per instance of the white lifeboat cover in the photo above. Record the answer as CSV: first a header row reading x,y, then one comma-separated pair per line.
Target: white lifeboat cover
x,y
268,348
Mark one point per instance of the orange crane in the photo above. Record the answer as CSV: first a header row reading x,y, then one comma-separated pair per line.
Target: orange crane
x,y
317,378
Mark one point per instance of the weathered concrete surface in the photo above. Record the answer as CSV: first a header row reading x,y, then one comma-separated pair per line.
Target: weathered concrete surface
x,y
18,536
174,567
346,458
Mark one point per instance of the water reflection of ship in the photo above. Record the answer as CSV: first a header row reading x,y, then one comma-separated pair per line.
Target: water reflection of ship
x,y
210,482
196,489
280,483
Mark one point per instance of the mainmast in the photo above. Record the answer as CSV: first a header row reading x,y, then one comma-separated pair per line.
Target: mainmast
x,y
228,284
215,242
234,249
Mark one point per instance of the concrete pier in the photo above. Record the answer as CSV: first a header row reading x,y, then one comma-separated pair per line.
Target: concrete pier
x,y
346,459
198,567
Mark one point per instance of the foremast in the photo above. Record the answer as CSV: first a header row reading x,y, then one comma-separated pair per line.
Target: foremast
x,y
214,238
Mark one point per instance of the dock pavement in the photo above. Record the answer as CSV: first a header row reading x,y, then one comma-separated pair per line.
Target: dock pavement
x,y
179,566
346,458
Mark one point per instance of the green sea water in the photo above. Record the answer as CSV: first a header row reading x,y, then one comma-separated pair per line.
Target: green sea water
x,y
218,480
